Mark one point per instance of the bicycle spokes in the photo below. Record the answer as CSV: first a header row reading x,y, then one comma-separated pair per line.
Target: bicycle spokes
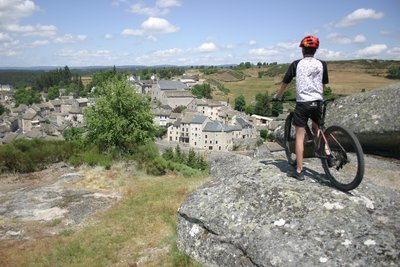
x,y
347,169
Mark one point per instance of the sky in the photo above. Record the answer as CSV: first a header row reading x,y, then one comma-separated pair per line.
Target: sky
x,y
193,32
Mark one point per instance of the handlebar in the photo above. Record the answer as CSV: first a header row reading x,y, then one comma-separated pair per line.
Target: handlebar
x,y
325,101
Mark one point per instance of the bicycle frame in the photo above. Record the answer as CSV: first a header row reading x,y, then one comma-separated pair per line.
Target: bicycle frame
x,y
321,129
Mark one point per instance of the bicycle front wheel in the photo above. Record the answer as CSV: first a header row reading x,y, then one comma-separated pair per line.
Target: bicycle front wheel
x,y
346,167
289,140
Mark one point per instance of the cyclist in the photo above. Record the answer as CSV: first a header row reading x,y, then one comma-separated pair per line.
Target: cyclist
x,y
311,76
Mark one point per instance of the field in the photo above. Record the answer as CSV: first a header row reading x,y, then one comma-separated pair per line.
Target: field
x,y
346,78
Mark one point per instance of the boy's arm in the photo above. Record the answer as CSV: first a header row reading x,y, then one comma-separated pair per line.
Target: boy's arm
x,y
279,93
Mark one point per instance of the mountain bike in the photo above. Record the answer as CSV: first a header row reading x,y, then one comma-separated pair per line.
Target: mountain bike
x,y
338,148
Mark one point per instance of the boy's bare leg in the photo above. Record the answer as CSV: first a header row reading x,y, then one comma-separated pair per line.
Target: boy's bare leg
x,y
300,134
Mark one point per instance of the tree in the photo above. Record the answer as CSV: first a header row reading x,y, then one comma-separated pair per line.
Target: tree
x,y
53,93
394,72
26,96
262,106
277,108
2,109
202,90
240,103
120,120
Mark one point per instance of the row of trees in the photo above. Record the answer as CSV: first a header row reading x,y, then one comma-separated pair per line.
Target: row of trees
x,y
262,105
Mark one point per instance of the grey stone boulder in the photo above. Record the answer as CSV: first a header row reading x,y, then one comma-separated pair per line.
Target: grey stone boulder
x,y
252,214
373,116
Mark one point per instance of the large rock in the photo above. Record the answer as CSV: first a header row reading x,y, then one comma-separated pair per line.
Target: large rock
x,y
252,214
372,116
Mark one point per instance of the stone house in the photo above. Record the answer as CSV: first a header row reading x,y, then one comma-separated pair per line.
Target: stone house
x,y
199,131
56,103
174,132
196,131
29,121
206,107
261,121
218,136
161,116
172,93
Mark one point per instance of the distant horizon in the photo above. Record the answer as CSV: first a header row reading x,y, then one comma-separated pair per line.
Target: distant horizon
x,y
185,33
50,67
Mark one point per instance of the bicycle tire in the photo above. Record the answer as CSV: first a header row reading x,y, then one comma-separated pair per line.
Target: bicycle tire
x,y
289,139
347,171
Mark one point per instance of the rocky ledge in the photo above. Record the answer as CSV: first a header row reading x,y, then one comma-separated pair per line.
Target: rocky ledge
x,y
372,116
253,214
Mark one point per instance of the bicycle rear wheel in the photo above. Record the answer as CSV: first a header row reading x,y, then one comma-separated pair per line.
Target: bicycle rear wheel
x,y
289,140
347,168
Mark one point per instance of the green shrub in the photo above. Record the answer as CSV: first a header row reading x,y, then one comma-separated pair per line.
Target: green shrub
x,y
32,155
157,166
91,157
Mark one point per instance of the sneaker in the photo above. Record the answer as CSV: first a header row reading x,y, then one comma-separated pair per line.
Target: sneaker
x,y
298,175
331,161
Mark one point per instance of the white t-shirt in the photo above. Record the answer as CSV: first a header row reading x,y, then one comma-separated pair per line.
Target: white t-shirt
x,y
311,74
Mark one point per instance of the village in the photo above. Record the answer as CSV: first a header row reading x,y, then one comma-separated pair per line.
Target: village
x,y
203,124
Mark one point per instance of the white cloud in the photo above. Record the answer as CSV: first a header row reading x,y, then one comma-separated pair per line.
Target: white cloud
x,y
147,11
132,32
263,52
161,56
4,37
168,3
13,10
152,26
160,8
358,16
329,54
7,52
288,45
360,38
173,52
108,36
118,2
371,51
86,57
252,42
82,53
68,38
32,30
38,43
341,39
207,47
394,52
158,25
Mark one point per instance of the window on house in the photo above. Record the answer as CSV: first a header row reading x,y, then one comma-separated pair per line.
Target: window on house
x,y
219,147
210,148
210,142
206,136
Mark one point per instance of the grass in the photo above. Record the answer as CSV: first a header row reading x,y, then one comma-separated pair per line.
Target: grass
x,y
249,88
346,78
140,228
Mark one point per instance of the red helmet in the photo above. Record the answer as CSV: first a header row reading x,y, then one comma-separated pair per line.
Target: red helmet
x,y
309,41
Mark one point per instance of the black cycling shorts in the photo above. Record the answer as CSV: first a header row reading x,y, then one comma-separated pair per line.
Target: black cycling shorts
x,y
307,110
